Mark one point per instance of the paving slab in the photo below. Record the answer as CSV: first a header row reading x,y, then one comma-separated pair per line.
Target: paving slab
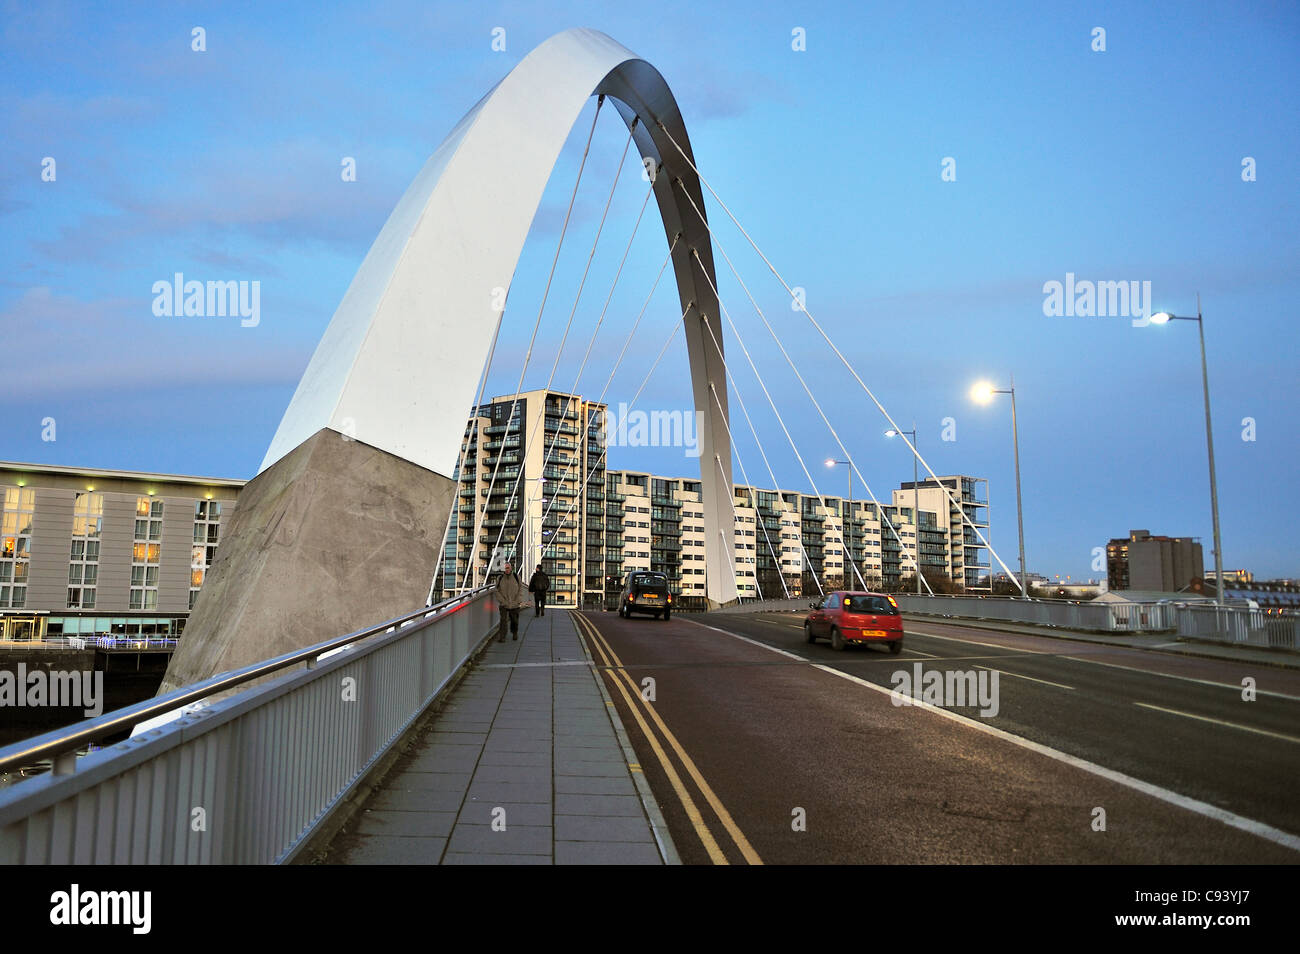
x,y
597,853
524,765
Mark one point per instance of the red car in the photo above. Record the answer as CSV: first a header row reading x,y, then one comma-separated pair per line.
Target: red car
x,y
846,617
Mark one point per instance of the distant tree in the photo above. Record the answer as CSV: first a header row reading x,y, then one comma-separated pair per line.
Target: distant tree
x,y
940,583
1006,587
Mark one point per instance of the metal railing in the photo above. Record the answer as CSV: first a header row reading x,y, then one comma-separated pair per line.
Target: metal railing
x,y
247,778
1239,625
1094,616
90,641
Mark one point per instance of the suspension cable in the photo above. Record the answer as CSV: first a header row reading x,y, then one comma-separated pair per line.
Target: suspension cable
x,y
514,403
568,325
780,420
752,492
591,343
619,361
731,496
775,485
825,420
644,381
801,305
460,467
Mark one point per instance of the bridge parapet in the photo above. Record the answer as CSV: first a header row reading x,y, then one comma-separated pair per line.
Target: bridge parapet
x,y
248,778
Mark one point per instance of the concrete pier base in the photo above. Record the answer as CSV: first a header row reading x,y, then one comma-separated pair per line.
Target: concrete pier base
x,y
333,537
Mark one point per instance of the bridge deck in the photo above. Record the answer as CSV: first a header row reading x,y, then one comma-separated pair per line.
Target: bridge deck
x,y
523,766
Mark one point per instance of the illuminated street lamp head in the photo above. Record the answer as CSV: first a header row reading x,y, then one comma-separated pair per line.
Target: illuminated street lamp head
x,y
891,433
830,462
1160,318
982,392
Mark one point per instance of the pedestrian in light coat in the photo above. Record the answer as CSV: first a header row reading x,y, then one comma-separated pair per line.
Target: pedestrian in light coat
x,y
511,598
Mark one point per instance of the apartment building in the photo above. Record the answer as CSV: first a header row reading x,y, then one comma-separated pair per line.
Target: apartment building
x,y
87,551
532,487
589,525
957,503
785,543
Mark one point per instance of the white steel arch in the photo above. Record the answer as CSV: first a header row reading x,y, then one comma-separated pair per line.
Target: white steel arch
x,y
399,363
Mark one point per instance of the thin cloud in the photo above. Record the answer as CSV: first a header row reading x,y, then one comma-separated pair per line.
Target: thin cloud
x,y
99,343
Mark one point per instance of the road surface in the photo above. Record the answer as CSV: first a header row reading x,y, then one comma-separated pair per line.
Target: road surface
x,y
762,748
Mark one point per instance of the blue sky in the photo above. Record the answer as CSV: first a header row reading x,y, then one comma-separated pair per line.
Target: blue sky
x,y
1117,165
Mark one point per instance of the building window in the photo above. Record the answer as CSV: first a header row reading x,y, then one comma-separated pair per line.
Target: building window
x,y
207,533
145,553
83,558
16,540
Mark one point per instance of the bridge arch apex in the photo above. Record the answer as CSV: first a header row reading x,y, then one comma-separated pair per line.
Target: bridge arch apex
x,y
420,309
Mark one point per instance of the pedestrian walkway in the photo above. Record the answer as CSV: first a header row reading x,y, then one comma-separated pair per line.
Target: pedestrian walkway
x,y
526,764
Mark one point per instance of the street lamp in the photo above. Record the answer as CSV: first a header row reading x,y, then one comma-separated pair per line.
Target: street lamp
x,y
1162,318
848,517
916,499
982,393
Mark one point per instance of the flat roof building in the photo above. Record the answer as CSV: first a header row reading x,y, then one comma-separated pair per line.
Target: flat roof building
x,y
105,552
1144,562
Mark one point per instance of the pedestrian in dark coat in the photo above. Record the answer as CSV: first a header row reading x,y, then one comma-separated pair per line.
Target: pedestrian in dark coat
x,y
538,586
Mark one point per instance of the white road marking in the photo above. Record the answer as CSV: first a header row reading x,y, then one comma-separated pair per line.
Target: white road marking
x,y
755,642
976,642
1268,832
1030,678
1169,675
1098,662
1249,825
1230,725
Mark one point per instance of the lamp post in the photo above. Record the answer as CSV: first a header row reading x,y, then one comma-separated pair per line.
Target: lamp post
x,y
916,499
1162,318
848,517
983,393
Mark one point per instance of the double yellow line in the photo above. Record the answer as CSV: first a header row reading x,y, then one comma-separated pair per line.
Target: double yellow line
x,y
614,667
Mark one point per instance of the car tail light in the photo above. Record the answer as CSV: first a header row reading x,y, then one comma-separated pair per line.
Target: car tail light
x,y
631,597
670,597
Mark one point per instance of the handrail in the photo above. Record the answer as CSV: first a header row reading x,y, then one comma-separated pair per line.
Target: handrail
x,y
70,738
